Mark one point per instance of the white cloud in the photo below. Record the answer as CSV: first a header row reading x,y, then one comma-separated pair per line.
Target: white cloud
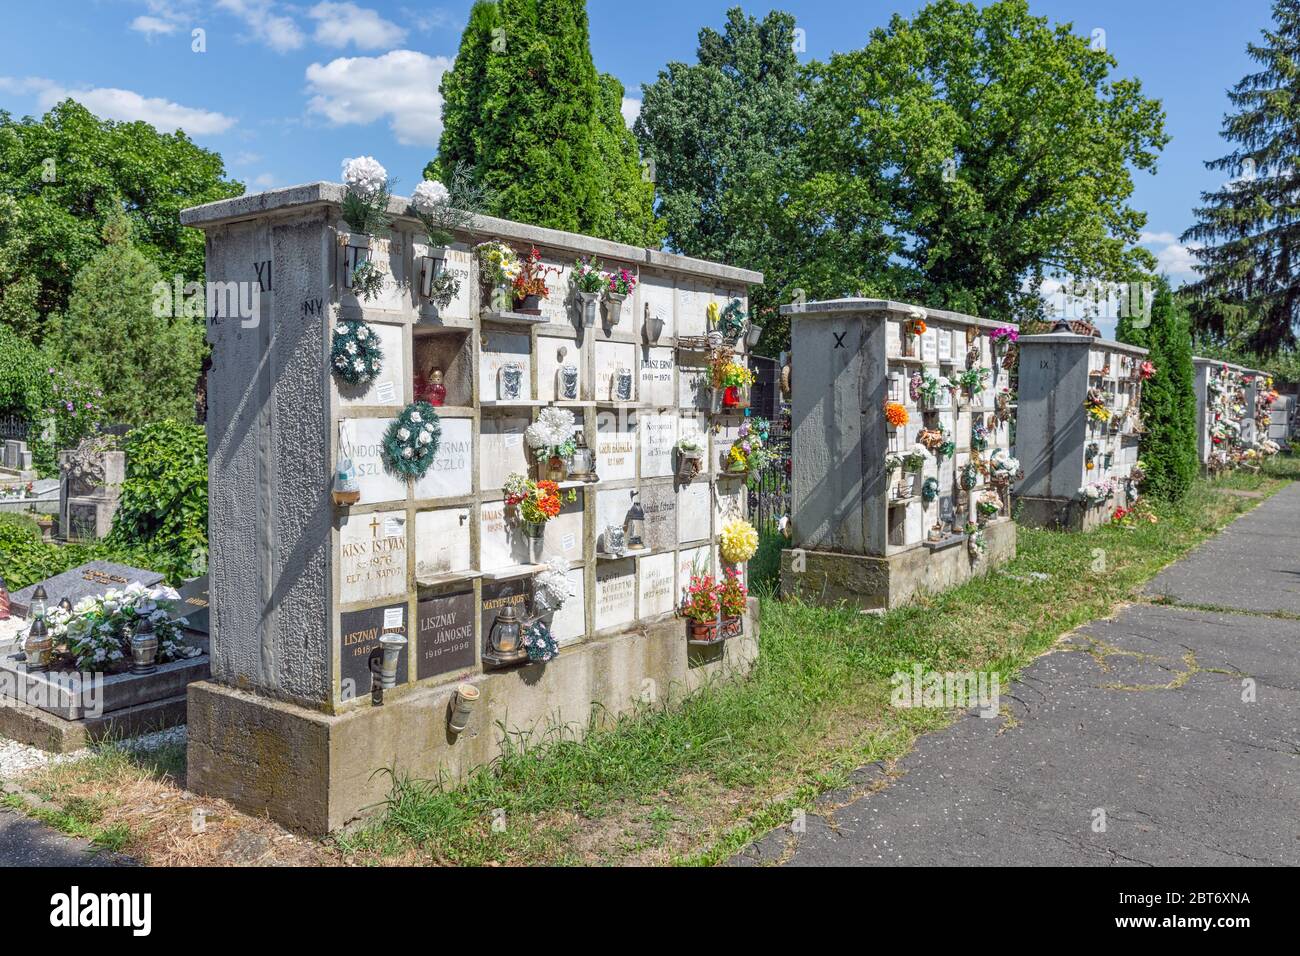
x,y
338,24
631,110
1172,257
273,29
152,26
112,103
401,85
263,181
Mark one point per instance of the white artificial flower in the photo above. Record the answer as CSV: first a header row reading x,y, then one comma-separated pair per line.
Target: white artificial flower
x,y
359,365
341,329
424,438
407,453
415,417
364,175
362,334
341,362
403,434
429,195
351,348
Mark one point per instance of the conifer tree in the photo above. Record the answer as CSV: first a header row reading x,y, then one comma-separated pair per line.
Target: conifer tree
x,y
1249,290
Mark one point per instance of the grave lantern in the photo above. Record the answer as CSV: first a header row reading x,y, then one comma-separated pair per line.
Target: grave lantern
x,y
144,648
38,645
391,645
462,707
634,526
582,463
505,647
40,605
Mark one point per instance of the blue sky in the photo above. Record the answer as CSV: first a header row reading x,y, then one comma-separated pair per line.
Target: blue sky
x,y
286,90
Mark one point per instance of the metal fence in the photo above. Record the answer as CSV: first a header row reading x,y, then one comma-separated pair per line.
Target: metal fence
x,y
13,428
769,487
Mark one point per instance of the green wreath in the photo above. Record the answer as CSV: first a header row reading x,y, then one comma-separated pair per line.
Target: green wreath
x,y
970,476
732,321
929,490
356,356
412,440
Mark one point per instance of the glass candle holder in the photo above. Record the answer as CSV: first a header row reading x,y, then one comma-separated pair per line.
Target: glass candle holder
x,y
512,378
569,382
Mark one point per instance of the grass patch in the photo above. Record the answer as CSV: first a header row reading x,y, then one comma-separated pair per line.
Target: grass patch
x,y
693,781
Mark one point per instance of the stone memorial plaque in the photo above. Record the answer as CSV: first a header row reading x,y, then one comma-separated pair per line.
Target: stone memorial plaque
x,y
616,445
693,561
944,344
610,357
442,542
363,438
501,545
569,624
552,354
389,256
359,633
730,501
657,387
83,521
658,301
86,580
497,348
193,604
659,501
372,557
496,595
389,387
612,507
658,435
563,535
446,634
657,584
694,387
450,474
696,427
930,346
726,434
615,593
893,338
558,307
458,264
693,512
692,309
502,450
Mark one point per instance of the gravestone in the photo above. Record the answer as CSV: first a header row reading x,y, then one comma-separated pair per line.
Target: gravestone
x,y
15,456
446,634
193,605
87,580
91,486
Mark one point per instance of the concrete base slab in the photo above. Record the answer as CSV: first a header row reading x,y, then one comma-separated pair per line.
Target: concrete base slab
x,y
37,728
825,577
316,772
1061,514
72,695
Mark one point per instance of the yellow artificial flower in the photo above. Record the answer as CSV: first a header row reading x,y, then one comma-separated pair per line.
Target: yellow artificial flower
x,y
738,541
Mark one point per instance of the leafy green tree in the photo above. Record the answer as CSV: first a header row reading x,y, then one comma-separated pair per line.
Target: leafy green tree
x,y
966,153
625,212
1249,290
69,171
719,136
146,361
19,289
1168,398
525,110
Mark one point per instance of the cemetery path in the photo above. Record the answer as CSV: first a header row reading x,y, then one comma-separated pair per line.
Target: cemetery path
x,y
1166,735
27,842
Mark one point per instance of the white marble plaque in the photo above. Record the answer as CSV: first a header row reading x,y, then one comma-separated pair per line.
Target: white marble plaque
x,y
657,584
657,377
610,357
611,509
692,308
552,354
696,427
658,300
451,473
502,450
372,557
459,262
363,439
501,544
694,387
498,349
930,346
442,542
693,511
389,256
563,535
615,593
658,435
388,388
616,440
730,501
944,344
558,306
693,561
569,623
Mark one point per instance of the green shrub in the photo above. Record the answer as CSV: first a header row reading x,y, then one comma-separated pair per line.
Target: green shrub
x,y
1168,398
164,502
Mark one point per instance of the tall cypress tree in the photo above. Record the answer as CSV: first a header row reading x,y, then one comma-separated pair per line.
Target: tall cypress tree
x,y
1250,227
1169,397
525,110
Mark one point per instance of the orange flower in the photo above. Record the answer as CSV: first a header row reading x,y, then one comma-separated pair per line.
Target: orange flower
x,y
917,326
895,414
549,506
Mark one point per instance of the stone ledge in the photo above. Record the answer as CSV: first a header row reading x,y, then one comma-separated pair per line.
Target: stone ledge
x,y
1061,514
34,727
62,695
315,772
831,308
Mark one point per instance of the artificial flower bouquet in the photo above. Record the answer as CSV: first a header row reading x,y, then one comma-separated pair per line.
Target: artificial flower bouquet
x,y
551,438
498,264
988,505
537,501
896,414
737,541
732,377
619,284
530,284
702,607
365,200
1003,468
96,634
915,458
